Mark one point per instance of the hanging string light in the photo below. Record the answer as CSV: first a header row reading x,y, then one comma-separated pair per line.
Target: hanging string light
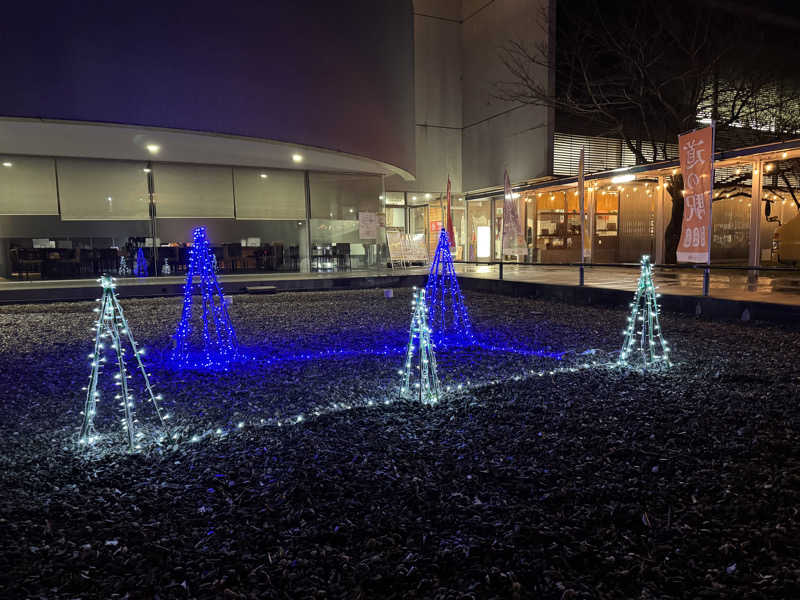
x,y
447,311
426,389
219,344
111,325
644,345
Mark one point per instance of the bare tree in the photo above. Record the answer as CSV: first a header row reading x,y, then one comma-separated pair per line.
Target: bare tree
x,y
646,71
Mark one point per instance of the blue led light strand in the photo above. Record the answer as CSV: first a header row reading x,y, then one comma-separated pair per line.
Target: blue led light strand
x,y
220,347
111,323
427,389
643,345
140,264
447,311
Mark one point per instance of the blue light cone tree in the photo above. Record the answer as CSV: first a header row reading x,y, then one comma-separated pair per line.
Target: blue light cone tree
x,y
427,389
112,325
447,314
140,264
643,345
219,347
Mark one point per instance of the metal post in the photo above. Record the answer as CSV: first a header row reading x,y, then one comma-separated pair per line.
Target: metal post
x,y
309,246
660,229
706,280
153,216
501,269
754,258
580,280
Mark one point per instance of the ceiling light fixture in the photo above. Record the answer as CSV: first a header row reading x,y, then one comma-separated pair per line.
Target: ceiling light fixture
x,y
153,148
297,158
623,178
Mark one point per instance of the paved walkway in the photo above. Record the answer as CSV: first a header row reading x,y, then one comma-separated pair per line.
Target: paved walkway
x,y
781,288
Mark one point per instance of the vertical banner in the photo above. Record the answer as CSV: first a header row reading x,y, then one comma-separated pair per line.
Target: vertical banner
x,y
582,206
697,167
513,235
451,236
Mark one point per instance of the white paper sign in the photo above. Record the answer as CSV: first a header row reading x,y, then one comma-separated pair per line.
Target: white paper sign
x,y
367,225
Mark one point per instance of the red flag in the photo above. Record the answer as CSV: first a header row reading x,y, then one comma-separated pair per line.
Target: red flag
x,y
450,232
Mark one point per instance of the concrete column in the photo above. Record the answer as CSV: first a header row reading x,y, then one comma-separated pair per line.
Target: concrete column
x,y
754,259
661,226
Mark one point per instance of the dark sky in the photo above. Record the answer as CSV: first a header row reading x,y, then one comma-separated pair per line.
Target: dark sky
x,y
333,74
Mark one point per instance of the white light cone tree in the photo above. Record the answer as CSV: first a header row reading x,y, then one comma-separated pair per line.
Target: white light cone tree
x,y
643,345
427,388
112,328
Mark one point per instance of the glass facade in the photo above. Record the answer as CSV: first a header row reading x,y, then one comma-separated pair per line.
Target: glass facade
x,y
66,217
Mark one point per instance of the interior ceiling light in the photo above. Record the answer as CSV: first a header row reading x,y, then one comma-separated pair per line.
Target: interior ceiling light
x,y
297,158
263,175
153,148
623,178
8,164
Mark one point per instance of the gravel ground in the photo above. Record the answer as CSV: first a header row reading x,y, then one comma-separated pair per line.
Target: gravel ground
x,y
541,479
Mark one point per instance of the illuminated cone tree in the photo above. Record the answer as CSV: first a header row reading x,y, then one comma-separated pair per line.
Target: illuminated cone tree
x,y
124,270
112,329
140,264
218,347
643,345
426,389
447,313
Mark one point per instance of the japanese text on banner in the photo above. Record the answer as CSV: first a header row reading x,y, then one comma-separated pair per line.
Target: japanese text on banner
x,y
697,167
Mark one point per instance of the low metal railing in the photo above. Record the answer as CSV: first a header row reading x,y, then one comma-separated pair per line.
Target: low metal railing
x,y
752,271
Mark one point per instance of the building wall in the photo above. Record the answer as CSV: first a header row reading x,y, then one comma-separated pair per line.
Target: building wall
x,y
499,135
437,97
336,75
461,130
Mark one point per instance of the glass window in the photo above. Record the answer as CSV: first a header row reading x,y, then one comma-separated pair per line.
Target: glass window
x,y
102,189
193,191
269,194
395,217
458,208
498,227
551,221
338,238
479,214
341,197
395,198
28,186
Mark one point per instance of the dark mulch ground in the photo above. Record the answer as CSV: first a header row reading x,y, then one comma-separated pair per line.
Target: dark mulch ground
x,y
585,484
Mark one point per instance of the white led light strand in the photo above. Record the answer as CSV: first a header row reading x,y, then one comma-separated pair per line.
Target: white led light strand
x,y
427,388
643,344
124,270
111,323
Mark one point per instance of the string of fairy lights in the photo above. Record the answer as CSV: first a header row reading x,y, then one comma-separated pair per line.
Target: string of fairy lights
x,y
439,317
643,344
112,325
140,268
447,311
427,388
220,348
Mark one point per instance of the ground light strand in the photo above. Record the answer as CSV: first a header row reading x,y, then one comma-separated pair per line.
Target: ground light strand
x,y
218,433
